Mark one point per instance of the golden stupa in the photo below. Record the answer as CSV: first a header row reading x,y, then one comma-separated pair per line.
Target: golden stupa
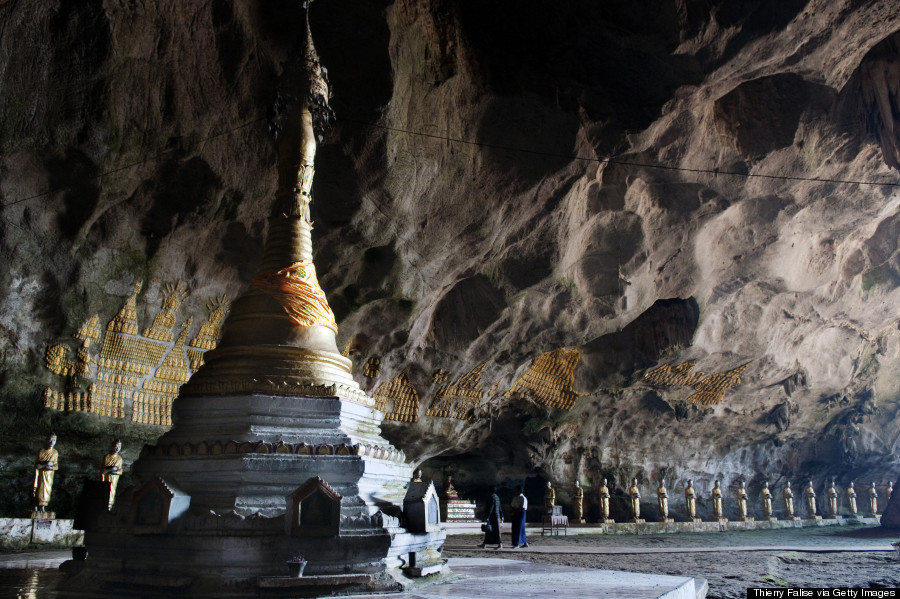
x,y
280,335
274,452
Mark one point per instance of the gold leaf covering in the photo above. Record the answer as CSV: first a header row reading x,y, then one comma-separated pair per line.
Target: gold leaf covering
x,y
710,389
458,399
403,397
297,290
550,379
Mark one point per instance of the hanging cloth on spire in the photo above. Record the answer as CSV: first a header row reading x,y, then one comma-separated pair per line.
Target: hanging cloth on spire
x,y
297,290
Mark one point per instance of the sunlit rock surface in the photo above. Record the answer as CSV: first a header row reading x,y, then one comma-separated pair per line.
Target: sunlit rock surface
x,y
650,183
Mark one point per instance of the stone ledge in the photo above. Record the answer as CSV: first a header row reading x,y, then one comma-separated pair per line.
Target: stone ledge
x,y
25,533
424,570
675,527
323,580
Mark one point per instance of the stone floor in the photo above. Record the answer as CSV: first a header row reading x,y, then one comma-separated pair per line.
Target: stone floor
x,y
31,577
731,561
617,565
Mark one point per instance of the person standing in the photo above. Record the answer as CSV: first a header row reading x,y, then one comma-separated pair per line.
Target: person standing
x,y
493,518
519,508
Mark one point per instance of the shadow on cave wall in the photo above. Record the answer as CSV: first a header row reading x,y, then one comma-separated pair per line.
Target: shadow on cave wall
x,y
667,323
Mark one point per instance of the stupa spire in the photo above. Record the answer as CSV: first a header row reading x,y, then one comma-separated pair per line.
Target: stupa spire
x,y
280,334
305,90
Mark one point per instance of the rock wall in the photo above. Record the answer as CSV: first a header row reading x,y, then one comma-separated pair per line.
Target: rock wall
x,y
648,183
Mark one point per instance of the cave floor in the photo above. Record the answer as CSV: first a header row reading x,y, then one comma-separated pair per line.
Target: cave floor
x,y
731,561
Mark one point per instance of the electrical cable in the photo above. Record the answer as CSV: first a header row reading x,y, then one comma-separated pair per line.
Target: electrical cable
x,y
448,139
669,167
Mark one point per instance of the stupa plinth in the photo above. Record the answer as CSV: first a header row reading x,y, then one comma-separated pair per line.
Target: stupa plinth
x,y
275,451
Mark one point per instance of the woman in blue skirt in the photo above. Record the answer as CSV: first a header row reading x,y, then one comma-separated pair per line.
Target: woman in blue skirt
x,y
519,509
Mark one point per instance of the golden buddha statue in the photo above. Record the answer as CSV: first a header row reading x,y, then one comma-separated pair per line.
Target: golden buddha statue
x,y
604,501
767,501
690,500
873,502
578,503
635,495
742,501
549,498
810,495
449,490
851,500
662,498
111,470
717,501
832,497
788,496
45,465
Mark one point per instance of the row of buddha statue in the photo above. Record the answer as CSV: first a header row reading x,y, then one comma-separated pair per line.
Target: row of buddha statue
x,y
47,463
717,498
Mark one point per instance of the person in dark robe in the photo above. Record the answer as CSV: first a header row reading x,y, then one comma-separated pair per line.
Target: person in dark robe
x,y
494,518
519,508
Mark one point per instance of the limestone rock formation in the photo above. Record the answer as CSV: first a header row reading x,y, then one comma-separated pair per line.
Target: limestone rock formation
x,y
650,184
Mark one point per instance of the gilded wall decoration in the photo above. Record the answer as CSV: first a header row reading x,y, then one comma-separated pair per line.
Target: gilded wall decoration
x,y
710,389
133,375
550,379
459,398
402,397
372,367
152,404
209,332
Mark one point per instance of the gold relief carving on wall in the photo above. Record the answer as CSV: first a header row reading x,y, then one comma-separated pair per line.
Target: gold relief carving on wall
x,y
372,367
126,320
56,358
210,331
710,389
402,397
164,321
153,404
550,379
353,347
132,375
459,398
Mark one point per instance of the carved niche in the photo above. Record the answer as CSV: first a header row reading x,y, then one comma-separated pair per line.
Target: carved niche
x,y
156,505
421,508
314,509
